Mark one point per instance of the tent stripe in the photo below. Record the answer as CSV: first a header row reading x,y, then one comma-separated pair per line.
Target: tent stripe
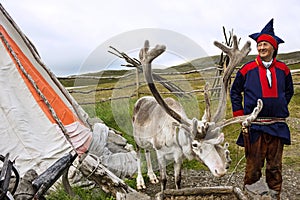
x,y
65,115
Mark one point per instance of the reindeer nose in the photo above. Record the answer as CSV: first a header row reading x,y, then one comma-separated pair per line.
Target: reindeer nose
x,y
220,174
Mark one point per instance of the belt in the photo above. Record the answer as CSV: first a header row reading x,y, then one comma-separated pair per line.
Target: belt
x,y
266,121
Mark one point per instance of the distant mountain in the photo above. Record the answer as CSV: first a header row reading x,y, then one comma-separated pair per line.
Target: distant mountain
x,y
288,58
199,63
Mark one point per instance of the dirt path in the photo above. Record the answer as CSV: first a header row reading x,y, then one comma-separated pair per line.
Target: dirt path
x,y
193,178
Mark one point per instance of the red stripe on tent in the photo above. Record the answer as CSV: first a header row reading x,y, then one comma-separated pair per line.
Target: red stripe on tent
x,y
62,111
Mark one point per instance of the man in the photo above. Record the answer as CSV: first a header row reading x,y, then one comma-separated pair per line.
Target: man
x,y
268,79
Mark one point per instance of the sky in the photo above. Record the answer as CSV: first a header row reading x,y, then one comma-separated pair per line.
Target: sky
x,y
73,36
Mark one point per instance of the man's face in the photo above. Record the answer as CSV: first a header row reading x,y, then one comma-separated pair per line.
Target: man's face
x,y
265,51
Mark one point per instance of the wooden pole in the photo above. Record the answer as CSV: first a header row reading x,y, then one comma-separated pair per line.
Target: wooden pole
x,y
137,83
220,190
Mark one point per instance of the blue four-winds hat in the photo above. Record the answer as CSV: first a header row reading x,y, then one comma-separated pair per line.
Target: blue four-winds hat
x,y
267,34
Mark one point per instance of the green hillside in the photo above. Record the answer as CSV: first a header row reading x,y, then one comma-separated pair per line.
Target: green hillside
x,y
95,92
289,58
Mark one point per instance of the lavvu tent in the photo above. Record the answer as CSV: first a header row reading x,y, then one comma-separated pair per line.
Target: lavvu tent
x,y
40,121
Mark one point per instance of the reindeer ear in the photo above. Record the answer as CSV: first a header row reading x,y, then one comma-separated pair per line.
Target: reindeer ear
x,y
195,126
199,129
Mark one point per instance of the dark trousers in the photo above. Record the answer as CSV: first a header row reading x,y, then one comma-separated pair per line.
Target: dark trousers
x,y
267,148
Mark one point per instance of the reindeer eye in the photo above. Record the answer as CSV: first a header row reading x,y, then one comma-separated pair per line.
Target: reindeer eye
x,y
197,147
226,145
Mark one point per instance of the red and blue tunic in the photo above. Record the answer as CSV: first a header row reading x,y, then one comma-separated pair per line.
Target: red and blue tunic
x,y
251,80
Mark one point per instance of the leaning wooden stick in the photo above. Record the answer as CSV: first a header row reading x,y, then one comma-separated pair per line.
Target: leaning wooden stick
x,y
133,62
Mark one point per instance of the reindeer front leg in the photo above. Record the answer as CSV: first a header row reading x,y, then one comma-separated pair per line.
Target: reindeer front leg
x,y
163,170
177,173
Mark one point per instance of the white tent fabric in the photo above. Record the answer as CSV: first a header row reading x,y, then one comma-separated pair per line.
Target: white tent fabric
x,y
25,131
122,164
34,136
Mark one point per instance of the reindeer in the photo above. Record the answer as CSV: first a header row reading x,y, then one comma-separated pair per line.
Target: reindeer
x,y
162,124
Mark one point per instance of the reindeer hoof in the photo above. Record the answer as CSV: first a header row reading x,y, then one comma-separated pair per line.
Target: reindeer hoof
x,y
153,179
140,187
140,184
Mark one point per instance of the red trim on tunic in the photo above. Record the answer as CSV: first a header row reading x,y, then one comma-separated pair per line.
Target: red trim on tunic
x,y
244,70
267,91
283,67
238,113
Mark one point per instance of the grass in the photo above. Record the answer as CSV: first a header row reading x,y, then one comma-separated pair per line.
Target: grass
x,y
86,194
117,114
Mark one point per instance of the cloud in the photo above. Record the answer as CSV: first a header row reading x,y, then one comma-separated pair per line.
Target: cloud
x,y
67,32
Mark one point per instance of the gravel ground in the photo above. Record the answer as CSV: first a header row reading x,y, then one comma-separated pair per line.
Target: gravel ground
x,y
193,178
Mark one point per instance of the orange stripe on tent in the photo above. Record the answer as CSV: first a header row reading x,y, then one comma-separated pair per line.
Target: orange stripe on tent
x,y
62,111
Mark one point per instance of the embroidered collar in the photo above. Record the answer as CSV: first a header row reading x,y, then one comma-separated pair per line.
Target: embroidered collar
x,y
267,64
259,62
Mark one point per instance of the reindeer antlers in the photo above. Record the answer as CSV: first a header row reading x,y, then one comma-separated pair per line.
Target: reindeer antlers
x,y
235,57
147,56
245,119
229,51
234,54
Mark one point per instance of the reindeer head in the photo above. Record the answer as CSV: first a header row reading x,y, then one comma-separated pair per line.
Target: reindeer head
x,y
205,133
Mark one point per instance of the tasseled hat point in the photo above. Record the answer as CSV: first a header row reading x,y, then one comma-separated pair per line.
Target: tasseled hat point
x,y
267,34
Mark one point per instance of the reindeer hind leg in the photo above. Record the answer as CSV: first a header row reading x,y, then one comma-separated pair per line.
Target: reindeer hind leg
x,y
140,184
